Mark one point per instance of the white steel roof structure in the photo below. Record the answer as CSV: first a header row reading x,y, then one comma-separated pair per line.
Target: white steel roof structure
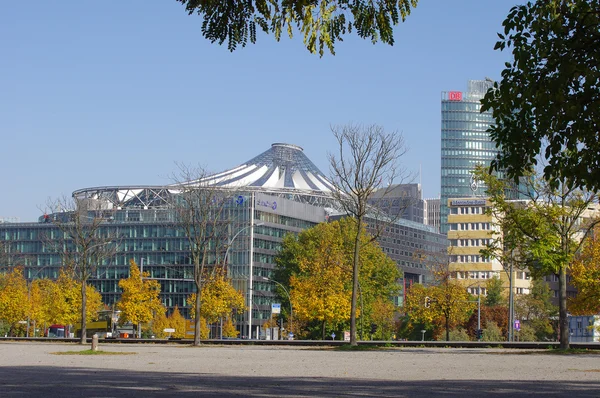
x,y
282,170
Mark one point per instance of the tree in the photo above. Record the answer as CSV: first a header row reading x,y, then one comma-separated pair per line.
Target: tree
x,y
547,101
14,302
140,297
202,211
544,233
41,298
316,267
219,298
494,292
84,243
367,161
383,318
585,276
445,306
321,22
496,315
176,321
66,304
537,311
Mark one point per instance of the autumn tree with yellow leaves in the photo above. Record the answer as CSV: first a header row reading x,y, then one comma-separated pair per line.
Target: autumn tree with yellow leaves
x,y
140,298
42,295
175,321
67,305
442,306
317,267
585,276
14,302
219,299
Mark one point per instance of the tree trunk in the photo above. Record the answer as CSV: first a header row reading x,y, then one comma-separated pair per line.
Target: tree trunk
x,y
323,330
82,340
447,328
355,270
197,314
562,309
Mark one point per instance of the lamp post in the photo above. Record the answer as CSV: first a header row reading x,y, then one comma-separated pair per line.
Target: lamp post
x,y
289,298
230,244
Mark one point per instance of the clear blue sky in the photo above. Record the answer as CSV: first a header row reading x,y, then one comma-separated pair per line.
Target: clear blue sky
x,y
115,92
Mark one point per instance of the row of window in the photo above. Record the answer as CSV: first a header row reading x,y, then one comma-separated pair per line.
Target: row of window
x,y
473,153
469,242
470,226
467,116
468,144
469,258
459,124
468,210
477,274
464,162
464,106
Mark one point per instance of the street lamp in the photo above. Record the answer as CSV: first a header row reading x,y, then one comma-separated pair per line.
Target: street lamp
x,y
251,226
289,298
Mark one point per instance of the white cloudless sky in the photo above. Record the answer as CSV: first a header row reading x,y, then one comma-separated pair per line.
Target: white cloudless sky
x,y
115,92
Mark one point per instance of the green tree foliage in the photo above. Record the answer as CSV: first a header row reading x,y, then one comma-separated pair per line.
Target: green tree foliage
x,y
316,265
494,292
547,102
321,22
537,311
140,298
459,334
492,332
543,234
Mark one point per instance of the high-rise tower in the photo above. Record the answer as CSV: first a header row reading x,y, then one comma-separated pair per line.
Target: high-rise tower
x,y
465,143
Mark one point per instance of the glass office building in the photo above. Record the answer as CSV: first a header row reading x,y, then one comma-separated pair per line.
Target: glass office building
x,y
279,191
465,144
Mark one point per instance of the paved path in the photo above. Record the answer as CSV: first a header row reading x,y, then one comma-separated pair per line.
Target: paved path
x,y
33,369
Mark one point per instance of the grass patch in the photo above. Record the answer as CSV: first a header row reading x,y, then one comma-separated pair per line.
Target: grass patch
x,y
91,352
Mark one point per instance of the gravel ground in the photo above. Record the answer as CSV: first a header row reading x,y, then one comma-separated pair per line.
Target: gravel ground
x,y
34,369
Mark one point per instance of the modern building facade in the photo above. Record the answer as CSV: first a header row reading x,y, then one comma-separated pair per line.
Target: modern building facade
x,y
401,200
277,192
431,214
465,143
470,230
412,245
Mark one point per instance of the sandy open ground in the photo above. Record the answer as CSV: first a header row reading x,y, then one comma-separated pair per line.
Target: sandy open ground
x,y
34,369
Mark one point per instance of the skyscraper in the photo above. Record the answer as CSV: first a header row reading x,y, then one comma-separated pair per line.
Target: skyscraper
x,y
465,143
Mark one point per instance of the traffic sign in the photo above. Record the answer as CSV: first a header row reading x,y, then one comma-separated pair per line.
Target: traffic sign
x,y
275,308
517,325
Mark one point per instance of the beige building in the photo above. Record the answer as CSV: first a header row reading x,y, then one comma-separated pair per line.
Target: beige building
x,y
469,231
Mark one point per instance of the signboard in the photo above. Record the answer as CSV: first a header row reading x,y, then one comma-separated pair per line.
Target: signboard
x,y
275,308
455,96
468,202
517,325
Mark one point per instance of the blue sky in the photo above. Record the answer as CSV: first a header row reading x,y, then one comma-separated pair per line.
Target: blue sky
x,y
115,92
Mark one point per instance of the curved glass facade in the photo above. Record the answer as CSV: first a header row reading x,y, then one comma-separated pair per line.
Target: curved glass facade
x,y
465,143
